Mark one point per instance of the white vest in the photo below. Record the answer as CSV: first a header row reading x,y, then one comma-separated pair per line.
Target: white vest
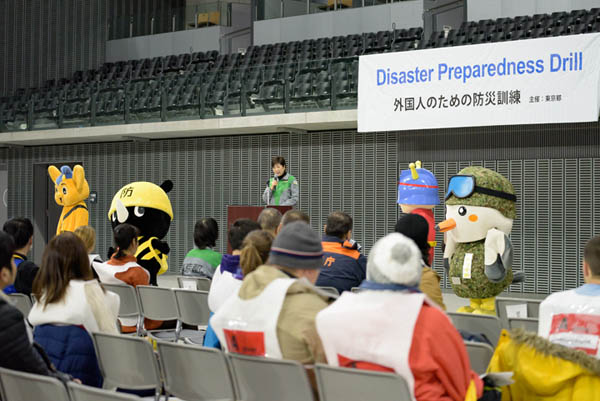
x,y
222,287
573,320
106,272
372,326
250,326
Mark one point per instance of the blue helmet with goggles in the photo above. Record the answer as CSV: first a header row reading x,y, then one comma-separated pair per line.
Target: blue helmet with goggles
x,y
417,186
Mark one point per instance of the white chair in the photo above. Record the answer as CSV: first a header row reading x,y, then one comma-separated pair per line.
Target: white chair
x,y
158,303
194,283
532,307
130,304
480,355
262,379
79,392
489,326
21,386
22,302
195,373
346,384
526,323
127,362
192,309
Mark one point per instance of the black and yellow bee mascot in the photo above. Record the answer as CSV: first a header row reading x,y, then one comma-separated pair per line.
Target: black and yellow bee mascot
x,y
146,206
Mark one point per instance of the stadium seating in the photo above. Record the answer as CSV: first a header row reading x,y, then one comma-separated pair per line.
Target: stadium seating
x,y
313,74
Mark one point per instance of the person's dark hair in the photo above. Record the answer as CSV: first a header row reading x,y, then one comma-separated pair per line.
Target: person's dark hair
x,y
206,232
294,215
255,250
591,254
123,236
20,229
65,258
338,224
7,248
416,228
238,231
277,160
269,219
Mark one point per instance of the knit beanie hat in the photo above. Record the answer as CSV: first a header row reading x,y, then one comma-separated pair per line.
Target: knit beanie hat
x,y
395,259
297,246
416,228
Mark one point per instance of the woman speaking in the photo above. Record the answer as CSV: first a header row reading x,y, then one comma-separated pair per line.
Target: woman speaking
x,y
282,188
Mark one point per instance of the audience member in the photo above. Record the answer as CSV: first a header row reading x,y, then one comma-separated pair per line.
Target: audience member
x,y
228,276
279,301
21,231
124,268
416,228
16,350
203,260
71,304
255,250
391,326
291,216
343,265
572,318
87,234
269,220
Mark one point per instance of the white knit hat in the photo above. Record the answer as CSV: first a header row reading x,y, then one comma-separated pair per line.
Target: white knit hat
x,y
395,258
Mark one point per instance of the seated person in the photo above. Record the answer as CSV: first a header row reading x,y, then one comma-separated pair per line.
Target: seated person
x,y
572,318
343,264
416,228
71,304
255,250
202,261
273,313
123,268
17,352
21,231
228,276
406,333
87,234
291,216
269,220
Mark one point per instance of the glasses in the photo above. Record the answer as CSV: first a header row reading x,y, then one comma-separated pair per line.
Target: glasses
x,y
462,186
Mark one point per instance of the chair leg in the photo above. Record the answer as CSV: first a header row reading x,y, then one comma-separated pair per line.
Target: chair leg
x,y
178,328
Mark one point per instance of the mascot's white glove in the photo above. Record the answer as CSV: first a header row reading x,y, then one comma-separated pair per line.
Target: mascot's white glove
x,y
498,255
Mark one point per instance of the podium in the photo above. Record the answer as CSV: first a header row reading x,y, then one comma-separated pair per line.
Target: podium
x,y
247,212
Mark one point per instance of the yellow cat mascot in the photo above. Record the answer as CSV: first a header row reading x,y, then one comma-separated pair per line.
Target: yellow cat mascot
x,y
71,190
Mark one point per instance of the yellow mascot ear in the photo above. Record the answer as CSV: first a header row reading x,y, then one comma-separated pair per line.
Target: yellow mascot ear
x,y
78,177
54,173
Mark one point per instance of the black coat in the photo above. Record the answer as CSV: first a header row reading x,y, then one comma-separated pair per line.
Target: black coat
x,y
16,350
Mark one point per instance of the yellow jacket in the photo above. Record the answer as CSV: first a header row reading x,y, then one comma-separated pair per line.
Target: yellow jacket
x,y
545,371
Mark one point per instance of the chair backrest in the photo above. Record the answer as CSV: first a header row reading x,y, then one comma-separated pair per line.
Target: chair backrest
x,y
157,303
126,362
346,384
259,379
129,305
192,306
79,392
195,373
480,355
329,290
527,323
22,302
16,386
532,306
478,324
194,283
356,289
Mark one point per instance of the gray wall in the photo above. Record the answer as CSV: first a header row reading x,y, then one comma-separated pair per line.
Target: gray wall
x,y
554,169
3,193
49,39
180,42
406,14
492,9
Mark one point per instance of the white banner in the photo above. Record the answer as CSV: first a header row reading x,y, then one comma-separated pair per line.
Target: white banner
x,y
547,80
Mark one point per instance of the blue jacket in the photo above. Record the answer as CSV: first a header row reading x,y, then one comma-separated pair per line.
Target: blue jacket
x,y
71,351
344,266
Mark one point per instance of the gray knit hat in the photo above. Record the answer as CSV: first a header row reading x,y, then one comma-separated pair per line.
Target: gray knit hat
x,y
297,246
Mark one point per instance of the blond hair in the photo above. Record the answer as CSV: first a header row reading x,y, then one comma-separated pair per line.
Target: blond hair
x,y
88,235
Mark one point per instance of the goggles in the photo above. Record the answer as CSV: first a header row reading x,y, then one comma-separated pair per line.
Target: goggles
x,y
462,186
